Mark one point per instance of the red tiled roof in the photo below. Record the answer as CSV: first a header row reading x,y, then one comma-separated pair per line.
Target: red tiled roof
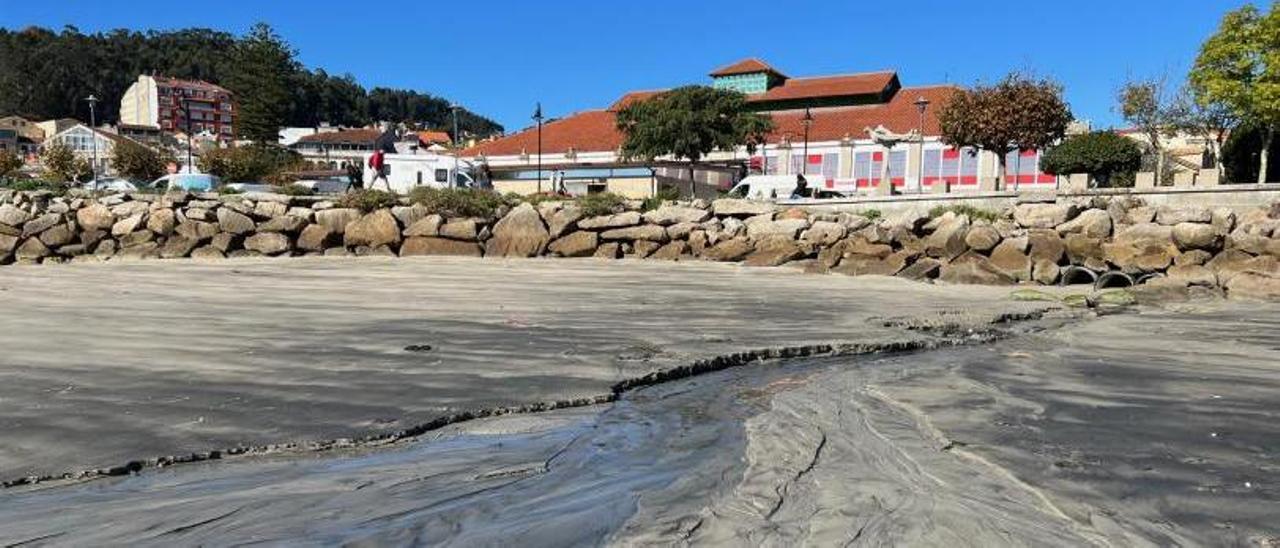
x,y
745,66
352,136
899,115
434,137
828,86
595,130
633,97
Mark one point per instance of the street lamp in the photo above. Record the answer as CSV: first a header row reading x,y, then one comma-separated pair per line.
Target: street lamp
x,y
808,122
537,116
93,135
454,107
922,105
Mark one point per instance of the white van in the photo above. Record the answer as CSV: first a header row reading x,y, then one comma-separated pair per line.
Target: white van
x,y
404,172
777,187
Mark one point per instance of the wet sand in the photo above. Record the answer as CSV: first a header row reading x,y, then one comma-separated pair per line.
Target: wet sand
x,y
1154,427
108,364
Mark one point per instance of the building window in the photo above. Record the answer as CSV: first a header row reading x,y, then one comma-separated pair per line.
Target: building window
x,y
1023,168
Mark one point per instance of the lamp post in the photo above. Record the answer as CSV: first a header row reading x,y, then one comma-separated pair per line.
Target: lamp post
x,y
808,122
922,105
93,135
454,107
537,117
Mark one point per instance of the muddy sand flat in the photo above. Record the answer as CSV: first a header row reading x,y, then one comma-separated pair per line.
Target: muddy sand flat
x,y
104,364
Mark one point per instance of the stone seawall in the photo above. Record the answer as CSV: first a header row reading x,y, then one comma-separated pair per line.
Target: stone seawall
x,y
1106,240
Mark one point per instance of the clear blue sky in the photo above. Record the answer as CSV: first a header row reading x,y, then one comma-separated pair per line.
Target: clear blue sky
x,y
499,58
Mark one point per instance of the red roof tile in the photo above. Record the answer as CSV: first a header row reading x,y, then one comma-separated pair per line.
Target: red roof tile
x,y
595,131
828,86
745,66
899,115
192,84
633,97
434,137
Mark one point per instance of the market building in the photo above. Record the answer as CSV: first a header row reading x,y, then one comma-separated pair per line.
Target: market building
x,y
822,127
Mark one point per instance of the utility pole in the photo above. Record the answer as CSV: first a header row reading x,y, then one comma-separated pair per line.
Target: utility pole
x,y
93,135
537,116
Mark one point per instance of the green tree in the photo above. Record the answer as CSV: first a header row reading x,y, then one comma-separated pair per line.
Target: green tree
x,y
264,65
690,122
138,162
63,164
1239,67
1240,155
1102,154
1145,105
1018,113
9,163
250,163
1212,122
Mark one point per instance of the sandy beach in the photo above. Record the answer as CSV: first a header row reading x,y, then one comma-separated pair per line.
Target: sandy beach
x,y
956,416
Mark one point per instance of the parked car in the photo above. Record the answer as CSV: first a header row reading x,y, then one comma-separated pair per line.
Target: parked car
x,y
778,187
325,186
199,182
112,184
251,187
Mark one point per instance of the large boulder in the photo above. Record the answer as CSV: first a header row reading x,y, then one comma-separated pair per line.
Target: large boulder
x,y
407,215
870,265
519,234
268,243
785,228
1196,236
317,238
651,233
289,224
641,249
466,229
975,269
1190,274
233,222
31,250
925,268
681,231
1010,259
672,214
337,219
729,250
60,235
177,247
1143,235
162,222
12,216
602,222
1094,223
7,245
94,217
40,224
428,225
671,251
823,233
1045,246
417,246
197,230
982,238
1170,216
774,252
948,239
128,224
1045,272
582,243
374,229
1251,285
563,220
731,207
1083,250
1043,215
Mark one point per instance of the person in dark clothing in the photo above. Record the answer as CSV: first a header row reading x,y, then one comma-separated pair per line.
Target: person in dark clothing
x,y
802,188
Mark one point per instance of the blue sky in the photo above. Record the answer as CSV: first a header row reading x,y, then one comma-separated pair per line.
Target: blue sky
x,y
499,58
